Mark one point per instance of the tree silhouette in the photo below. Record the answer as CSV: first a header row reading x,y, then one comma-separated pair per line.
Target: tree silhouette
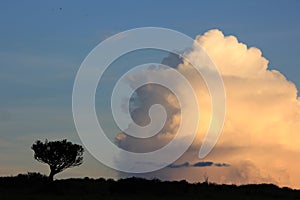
x,y
59,155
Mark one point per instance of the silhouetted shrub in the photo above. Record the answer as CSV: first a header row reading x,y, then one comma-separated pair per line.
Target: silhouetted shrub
x,y
31,186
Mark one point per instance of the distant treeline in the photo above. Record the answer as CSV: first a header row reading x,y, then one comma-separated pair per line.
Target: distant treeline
x,y
37,186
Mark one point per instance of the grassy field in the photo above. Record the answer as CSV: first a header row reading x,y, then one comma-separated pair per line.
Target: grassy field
x,y
35,186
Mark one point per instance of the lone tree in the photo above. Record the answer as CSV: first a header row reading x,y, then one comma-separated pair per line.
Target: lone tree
x,y
59,155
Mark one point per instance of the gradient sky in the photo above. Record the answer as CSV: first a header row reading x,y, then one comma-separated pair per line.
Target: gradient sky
x,y
42,45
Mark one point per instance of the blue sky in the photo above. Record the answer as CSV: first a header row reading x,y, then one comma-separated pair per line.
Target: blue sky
x,y
42,44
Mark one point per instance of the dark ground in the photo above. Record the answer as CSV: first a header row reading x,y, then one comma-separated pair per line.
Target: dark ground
x,y
36,186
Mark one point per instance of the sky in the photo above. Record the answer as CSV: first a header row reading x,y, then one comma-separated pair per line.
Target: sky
x,y
42,45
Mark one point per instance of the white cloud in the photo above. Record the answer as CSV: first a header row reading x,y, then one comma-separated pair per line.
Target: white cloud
x,y
260,139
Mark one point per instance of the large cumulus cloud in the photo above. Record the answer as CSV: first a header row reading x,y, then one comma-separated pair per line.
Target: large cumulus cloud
x,y
260,138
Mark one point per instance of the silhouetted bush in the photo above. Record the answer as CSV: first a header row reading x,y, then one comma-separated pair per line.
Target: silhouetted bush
x,y
36,186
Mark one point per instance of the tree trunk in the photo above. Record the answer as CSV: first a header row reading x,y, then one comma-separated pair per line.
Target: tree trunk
x,y
51,175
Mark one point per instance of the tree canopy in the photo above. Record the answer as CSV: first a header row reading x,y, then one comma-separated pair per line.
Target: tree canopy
x,y
59,155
